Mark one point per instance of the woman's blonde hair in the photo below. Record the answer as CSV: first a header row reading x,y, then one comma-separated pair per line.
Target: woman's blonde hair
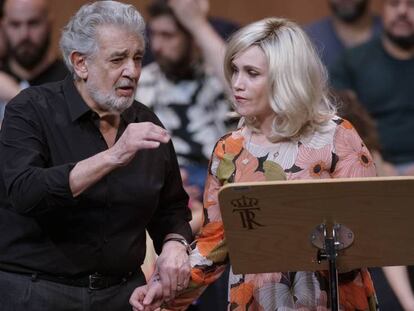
x,y
297,78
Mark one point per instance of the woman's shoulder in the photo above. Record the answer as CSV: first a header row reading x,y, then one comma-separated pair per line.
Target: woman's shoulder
x,y
328,132
324,134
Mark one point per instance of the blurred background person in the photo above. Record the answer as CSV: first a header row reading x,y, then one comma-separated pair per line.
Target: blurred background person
x,y
224,27
8,86
380,72
351,23
186,95
30,59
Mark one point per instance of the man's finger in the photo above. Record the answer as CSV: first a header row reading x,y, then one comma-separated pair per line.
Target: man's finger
x,y
183,278
166,285
148,144
161,137
148,127
173,285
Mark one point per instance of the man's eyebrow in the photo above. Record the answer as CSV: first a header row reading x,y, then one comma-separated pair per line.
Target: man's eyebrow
x,y
124,53
119,53
140,52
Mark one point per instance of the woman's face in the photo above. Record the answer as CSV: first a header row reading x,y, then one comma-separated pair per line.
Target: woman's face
x,y
249,84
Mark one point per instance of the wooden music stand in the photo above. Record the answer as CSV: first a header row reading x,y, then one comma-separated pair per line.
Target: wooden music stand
x,y
296,225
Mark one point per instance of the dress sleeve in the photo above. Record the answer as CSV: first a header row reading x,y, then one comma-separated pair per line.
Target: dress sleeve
x,y
351,157
210,255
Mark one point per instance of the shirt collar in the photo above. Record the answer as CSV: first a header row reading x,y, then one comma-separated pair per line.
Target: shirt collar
x,y
76,104
78,107
130,115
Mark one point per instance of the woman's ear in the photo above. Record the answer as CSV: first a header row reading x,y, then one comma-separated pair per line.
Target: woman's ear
x,y
79,64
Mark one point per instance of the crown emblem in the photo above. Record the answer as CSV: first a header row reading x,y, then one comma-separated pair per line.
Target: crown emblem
x,y
244,202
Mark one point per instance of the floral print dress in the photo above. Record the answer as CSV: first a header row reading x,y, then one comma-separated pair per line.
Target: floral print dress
x,y
336,151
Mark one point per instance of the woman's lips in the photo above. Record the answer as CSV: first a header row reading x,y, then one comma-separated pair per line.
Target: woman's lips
x,y
240,98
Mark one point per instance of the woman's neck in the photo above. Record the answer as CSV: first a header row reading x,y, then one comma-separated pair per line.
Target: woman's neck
x,y
265,125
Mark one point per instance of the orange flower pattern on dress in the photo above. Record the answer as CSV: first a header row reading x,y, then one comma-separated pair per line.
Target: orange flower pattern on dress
x,y
247,166
314,163
232,144
356,161
353,295
211,235
337,152
242,294
346,124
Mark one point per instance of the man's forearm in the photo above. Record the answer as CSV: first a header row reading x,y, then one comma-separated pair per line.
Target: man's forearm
x,y
89,171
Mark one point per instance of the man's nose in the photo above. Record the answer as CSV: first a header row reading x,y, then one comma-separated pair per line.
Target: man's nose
x,y
132,69
402,7
156,44
24,32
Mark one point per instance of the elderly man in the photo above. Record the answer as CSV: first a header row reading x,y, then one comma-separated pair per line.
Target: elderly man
x,y
85,170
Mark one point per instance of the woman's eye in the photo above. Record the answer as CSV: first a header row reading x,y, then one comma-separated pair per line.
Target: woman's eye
x,y
253,73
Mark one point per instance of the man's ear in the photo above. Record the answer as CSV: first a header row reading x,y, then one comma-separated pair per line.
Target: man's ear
x,y
79,64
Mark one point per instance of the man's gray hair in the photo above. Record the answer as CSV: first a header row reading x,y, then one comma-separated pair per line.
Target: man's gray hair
x,y
80,34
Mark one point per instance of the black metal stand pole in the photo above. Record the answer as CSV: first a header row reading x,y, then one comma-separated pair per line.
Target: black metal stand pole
x,y
329,243
331,255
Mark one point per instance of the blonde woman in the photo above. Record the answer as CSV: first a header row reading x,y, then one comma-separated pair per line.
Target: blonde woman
x,y
288,129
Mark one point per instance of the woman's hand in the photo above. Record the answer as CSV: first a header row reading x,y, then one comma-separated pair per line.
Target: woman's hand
x,y
147,297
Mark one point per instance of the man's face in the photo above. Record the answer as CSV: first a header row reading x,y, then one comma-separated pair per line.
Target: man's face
x,y
114,69
348,10
27,30
398,20
170,45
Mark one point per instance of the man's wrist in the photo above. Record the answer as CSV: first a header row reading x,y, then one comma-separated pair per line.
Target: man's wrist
x,y
112,158
180,240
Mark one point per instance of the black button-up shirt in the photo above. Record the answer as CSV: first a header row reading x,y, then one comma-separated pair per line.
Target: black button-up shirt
x,y
46,131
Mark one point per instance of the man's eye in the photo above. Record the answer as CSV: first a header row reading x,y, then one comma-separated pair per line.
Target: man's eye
x,y
14,24
116,60
34,23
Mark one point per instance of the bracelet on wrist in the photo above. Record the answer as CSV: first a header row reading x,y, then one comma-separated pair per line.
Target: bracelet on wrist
x,y
182,241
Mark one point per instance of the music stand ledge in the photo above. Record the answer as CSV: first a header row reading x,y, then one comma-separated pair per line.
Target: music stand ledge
x,y
270,226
